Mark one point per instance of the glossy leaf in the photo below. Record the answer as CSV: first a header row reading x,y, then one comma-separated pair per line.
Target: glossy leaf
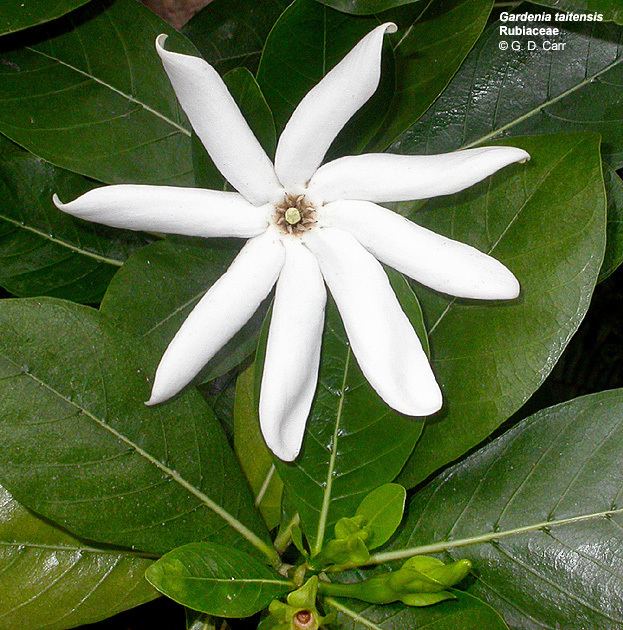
x,y
247,94
546,221
611,10
51,579
254,457
367,7
231,33
44,251
153,293
425,62
614,243
466,612
217,580
16,15
538,511
382,509
79,442
501,93
305,43
353,442
89,94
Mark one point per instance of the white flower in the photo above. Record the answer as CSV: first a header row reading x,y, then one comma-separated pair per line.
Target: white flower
x,y
309,224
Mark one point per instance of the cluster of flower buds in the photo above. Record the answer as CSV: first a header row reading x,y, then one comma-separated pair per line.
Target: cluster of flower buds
x,y
347,549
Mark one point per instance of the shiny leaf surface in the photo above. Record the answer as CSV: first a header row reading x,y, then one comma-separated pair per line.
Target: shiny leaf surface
x,y
614,244
367,7
611,10
16,15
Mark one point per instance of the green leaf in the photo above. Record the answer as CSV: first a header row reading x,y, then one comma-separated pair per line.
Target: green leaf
x,y
44,251
425,62
231,33
611,10
158,286
16,15
382,509
466,612
51,579
538,511
350,444
546,221
81,448
217,580
254,457
89,94
367,7
247,94
500,93
614,243
305,43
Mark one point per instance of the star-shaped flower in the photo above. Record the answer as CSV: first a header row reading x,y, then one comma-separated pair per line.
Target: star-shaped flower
x,y
309,225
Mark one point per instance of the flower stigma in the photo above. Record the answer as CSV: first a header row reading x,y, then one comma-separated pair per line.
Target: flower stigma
x,y
294,214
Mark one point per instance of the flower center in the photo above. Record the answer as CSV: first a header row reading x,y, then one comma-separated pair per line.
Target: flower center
x,y
295,214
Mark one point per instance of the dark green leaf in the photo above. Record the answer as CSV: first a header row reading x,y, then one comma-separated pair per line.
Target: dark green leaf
x,y
231,33
16,15
51,579
538,511
217,580
80,447
44,251
254,457
249,97
350,444
367,7
466,612
382,509
500,93
425,62
89,93
614,243
546,221
156,289
305,43
611,10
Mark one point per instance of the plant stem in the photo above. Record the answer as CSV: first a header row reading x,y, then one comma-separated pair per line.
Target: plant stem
x,y
284,538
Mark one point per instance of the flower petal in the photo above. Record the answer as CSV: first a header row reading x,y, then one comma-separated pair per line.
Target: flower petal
x,y
386,177
293,352
434,260
326,108
188,211
387,348
217,119
220,313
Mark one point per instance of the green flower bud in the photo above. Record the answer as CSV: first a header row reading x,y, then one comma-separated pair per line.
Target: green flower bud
x,y
422,574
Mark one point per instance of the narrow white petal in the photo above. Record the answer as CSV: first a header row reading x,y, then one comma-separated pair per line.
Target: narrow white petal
x,y
434,260
222,311
386,177
326,108
217,119
387,348
293,352
188,211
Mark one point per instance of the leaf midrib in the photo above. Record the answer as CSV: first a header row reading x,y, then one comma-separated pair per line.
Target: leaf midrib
x,y
80,549
128,97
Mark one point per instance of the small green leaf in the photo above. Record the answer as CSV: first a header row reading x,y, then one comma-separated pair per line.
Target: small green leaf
x,y
80,447
44,251
614,241
51,579
88,93
611,10
16,15
231,33
382,509
253,455
218,580
367,7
